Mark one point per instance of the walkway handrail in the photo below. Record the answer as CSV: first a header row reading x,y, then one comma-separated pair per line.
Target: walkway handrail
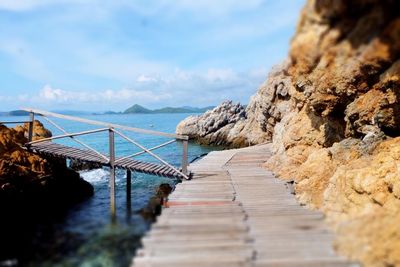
x,y
111,128
106,124
150,153
76,140
143,151
67,135
13,122
112,160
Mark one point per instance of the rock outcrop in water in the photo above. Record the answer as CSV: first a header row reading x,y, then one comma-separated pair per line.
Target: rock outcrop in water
x,y
25,176
219,126
332,112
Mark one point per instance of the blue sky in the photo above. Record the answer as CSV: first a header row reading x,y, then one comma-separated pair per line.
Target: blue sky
x,y
107,55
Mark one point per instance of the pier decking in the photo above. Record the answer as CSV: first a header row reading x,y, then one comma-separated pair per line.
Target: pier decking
x,y
235,213
85,155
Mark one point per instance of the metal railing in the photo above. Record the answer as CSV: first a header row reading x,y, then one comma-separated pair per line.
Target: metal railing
x,y
112,131
111,128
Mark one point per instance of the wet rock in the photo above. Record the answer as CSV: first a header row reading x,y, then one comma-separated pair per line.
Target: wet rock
x,y
153,208
78,165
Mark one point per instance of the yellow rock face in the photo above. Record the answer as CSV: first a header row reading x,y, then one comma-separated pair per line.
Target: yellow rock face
x,y
339,140
17,162
332,113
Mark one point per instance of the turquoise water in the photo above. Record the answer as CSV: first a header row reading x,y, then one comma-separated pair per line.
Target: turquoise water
x,y
85,236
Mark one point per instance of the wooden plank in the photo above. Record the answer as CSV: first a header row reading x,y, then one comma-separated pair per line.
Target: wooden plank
x,y
61,151
235,212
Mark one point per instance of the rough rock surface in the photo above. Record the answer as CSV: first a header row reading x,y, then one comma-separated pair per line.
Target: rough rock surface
x,y
78,165
332,112
24,175
218,126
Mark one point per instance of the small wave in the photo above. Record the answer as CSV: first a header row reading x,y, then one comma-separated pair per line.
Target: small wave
x,y
95,176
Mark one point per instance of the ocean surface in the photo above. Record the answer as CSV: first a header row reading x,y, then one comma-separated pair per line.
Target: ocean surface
x,y
85,235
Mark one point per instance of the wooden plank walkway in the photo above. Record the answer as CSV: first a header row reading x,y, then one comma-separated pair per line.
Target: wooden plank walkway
x,y
235,213
66,152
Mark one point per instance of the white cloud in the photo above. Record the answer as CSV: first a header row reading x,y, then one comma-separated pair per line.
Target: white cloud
x,y
144,78
24,5
203,8
18,5
216,7
50,95
178,89
164,63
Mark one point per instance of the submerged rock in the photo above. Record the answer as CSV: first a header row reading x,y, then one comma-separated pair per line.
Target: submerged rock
x,y
78,165
153,208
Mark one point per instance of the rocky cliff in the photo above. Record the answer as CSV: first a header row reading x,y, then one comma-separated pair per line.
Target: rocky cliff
x,y
332,113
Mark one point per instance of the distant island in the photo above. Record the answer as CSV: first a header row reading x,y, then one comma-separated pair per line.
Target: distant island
x,y
135,109
138,109
14,113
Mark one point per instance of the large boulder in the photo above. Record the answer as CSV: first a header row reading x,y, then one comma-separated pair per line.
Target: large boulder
x,y
218,126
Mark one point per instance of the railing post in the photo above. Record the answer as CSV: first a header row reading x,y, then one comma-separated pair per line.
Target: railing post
x,y
112,172
128,184
128,194
185,157
30,128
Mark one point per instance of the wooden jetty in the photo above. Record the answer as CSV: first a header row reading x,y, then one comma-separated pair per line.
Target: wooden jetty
x,y
235,213
87,154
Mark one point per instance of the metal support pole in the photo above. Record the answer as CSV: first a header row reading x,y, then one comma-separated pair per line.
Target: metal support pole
x,y
185,157
128,184
30,129
128,195
112,173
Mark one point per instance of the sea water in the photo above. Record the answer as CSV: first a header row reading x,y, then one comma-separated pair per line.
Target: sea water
x,y
85,235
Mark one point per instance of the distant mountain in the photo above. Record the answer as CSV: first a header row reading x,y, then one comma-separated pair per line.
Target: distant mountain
x,y
18,113
174,110
72,112
135,109
198,110
138,109
111,112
